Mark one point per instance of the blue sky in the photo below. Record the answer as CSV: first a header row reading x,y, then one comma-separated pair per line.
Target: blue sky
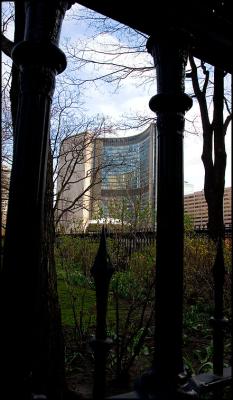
x,y
129,98
104,99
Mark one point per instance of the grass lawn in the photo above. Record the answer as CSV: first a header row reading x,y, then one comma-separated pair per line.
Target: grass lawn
x,y
84,301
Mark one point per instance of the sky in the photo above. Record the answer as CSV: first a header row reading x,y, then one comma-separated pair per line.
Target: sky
x,y
130,98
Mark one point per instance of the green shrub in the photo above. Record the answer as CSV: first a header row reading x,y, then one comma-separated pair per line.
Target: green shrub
x,y
131,297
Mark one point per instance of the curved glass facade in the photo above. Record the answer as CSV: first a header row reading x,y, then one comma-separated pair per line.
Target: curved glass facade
x,y
115,177
130,167
128,172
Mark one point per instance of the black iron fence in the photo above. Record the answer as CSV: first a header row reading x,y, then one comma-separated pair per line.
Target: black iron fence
x,y
190,386
203,230
136,241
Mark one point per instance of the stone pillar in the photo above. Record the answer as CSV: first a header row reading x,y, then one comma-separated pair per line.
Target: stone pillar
x,y
169,50
39,60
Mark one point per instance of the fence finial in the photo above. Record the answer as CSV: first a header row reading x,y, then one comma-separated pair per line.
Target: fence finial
x,y
102,271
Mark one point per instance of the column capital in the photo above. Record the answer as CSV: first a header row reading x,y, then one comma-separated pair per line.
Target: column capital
x,y
170,103
169,49
33,53
43,19
177,37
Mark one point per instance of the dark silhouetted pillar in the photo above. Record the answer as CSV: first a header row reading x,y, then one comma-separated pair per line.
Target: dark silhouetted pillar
x,y
21,319
169,50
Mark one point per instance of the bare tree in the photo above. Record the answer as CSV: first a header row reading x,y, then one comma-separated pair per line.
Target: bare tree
x,y
6,129
77,173
116,51
6,124
122,57
214,153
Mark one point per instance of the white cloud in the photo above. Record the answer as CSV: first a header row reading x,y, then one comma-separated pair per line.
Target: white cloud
x,y
102,98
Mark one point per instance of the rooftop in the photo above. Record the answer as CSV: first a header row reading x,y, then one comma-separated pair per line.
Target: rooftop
x,y
209,22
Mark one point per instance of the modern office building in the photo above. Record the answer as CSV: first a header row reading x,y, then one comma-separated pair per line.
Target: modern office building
x,y
196,207
115,175
5,179
113,178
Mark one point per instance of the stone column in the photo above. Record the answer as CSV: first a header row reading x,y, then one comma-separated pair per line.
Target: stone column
x,y
169,48
39,60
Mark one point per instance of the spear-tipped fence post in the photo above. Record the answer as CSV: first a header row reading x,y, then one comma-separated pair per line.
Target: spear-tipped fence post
x,y
218,321
102,271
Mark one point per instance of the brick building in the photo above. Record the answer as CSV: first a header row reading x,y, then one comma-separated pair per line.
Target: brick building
x,y
196,207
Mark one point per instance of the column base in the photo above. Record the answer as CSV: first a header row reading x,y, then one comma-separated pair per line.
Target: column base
x,y
146,388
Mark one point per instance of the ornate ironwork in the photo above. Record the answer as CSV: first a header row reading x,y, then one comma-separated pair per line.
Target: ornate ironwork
x,y
218,321
102,271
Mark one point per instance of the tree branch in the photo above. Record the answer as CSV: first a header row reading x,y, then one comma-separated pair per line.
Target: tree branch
x,y
6,45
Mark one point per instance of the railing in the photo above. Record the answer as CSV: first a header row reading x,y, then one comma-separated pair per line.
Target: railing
x,y
102,271
137,241
203,230
192,387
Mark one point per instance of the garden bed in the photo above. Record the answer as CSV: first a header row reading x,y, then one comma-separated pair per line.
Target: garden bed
x,y
130,289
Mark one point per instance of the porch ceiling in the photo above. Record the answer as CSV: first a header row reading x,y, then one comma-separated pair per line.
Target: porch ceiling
x,y
209,21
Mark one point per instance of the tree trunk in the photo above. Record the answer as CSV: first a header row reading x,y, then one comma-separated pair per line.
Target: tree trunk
x,y
215,169
52,328
214,154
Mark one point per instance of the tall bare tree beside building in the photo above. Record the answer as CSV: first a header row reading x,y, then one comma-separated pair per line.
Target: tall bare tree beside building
x,y
76,173
214,131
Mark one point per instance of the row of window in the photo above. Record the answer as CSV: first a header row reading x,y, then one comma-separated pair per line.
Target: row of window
x,y
128,166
